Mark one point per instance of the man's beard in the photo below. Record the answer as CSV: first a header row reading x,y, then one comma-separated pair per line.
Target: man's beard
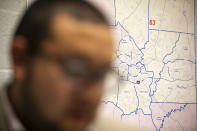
x,y
33,117
30,115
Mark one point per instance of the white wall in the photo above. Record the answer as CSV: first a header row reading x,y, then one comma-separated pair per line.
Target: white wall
x,y
10,12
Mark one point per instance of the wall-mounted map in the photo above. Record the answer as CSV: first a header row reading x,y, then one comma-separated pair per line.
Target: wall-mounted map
x,y
155,55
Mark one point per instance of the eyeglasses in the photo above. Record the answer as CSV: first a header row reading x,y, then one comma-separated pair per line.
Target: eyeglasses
x,y
77,70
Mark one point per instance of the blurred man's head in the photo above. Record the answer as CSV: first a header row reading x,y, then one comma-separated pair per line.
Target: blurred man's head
x,y
61,51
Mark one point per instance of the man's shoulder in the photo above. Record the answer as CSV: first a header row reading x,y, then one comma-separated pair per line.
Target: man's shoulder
x,y
104,124
3,122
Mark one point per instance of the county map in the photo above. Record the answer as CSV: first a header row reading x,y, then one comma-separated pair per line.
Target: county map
x,y
155,59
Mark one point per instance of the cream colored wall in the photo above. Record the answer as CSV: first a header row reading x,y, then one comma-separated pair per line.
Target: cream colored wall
x,y
10,12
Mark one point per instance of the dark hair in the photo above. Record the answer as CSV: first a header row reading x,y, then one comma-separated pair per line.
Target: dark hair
x,y
34,25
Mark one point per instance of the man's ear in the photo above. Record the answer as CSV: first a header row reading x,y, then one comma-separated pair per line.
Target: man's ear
x,y
18,52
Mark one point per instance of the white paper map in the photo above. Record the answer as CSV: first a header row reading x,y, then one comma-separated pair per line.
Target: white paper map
x,y
155,56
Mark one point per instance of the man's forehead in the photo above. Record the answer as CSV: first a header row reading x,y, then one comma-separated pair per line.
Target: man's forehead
x,y
91,39
66,25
